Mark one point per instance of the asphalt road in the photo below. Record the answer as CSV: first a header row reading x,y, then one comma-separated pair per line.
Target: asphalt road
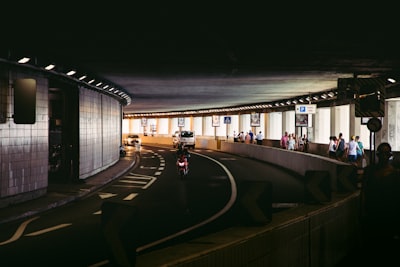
x,y
159,208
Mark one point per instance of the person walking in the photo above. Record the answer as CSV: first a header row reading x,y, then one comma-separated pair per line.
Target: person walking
x,y
291,142
340,148
332,147
284,140
251,137
259,138
360,153
352,151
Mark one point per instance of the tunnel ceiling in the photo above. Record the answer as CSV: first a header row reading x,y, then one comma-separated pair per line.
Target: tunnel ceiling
x,y
171,57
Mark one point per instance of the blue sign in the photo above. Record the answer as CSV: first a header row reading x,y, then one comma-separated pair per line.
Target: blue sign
x,y
227,120
302,109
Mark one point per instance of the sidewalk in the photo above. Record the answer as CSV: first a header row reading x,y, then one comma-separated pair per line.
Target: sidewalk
x,y
60,193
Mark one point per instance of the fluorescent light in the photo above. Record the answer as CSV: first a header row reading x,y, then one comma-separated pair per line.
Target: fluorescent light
x,y
50,67
82,77
24,60
71,72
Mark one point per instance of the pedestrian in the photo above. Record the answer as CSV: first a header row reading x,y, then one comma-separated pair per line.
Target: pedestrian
x,y
352,150
291,142
332,147
361,161
259,138
251,137
241,137
306,142
341,146
284,140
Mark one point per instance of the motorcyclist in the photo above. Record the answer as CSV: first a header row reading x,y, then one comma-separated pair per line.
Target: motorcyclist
x,y
182,150
182,159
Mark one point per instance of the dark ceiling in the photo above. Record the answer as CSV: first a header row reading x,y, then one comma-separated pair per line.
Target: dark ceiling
x,y
176,57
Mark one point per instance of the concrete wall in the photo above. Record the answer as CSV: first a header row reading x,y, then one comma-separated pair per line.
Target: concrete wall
x,y
340,173
304,236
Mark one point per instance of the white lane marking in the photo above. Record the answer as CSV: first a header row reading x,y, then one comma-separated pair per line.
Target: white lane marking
x,y
151,168
49,229
157,173
135,180
161,168
130,196
106,195
227,159
97,212
132,182
19,231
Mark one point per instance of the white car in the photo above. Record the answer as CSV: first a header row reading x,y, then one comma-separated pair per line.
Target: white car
x,y
132,140
185,138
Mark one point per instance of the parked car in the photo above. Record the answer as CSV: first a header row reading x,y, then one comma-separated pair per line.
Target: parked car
x,y
133,139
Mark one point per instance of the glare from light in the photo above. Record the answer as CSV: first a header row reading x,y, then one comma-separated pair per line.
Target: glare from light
x,y
391,80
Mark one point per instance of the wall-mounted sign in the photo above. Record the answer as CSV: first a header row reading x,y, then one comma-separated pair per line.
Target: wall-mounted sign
x,y
215,120
306,109
301,120
181,122
227,120
143,122
255,119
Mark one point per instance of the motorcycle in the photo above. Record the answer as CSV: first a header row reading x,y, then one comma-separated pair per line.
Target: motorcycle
x,y
182,165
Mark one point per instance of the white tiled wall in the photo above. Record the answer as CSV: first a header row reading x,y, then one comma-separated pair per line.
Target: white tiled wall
x,y
99,132
23,147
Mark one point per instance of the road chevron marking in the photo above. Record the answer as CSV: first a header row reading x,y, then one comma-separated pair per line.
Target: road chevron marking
x,y
40,232
19,231
130,196
106,195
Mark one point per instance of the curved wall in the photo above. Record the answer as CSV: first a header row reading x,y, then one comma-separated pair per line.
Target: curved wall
x,y
99,132
24,148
